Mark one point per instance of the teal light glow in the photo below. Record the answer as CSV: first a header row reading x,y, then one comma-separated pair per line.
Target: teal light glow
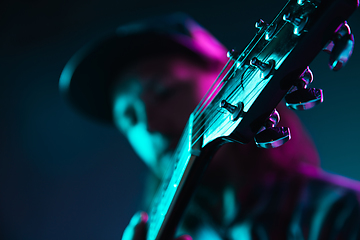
x,y
129,231
320,215
241,231
149,146
146,145
69,69
65,77
230,206
208,233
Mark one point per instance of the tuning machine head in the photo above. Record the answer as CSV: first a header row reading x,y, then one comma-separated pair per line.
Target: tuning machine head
x,y
301,97
269,29
233,54
270,136
273,137
340,47
304,99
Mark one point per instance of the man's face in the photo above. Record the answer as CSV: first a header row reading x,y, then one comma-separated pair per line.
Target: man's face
x,y
152,102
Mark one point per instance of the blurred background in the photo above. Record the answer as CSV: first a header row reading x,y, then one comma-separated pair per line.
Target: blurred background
x,y
63,176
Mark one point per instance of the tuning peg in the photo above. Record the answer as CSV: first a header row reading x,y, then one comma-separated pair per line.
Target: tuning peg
x,y
299,22
235,111
306,78
301,97
269,29
340,47
304,99
260,24
273,137
233,54
270,136
266,68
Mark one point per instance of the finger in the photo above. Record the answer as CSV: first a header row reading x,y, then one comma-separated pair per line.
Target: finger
x,y
184,237
136,230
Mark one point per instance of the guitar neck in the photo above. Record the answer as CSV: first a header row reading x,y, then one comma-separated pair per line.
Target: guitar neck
x,y
188,163
289,47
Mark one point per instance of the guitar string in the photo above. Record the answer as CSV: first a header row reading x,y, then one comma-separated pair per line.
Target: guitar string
x,y
164,189
219,114
182,139
206,115
176,153
216,114
207,93
167,174
186,128
245,82
216,118
245,58
206,98
234,88
203,102
170,170
218,88
230,70
214,90
198,116
275,19
216,111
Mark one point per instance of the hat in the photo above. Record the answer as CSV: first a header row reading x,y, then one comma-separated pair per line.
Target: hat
x,y
86,79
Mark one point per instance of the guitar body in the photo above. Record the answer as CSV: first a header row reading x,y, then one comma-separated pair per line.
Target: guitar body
x,y
285,48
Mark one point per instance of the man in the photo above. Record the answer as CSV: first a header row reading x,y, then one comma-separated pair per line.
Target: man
x,y
146,79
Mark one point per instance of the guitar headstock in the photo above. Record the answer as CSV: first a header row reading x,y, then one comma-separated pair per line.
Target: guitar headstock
x,y
274,64
240,104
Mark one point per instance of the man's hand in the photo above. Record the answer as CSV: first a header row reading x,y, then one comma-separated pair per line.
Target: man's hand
x,y
137,228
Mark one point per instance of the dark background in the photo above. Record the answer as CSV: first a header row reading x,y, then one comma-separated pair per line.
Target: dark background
x,y
63,176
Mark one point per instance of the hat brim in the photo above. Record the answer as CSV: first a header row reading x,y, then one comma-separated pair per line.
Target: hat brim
x,y
89,74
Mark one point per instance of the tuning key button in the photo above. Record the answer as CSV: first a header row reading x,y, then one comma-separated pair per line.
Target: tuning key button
x,y
270,31
299,22
265,68
225,105
272,137
341,53
272,121
304,99
236,111
340,47
233,54
260,24
306,78
300,2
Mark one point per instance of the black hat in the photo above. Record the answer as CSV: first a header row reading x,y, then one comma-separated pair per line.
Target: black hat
x,y
87,77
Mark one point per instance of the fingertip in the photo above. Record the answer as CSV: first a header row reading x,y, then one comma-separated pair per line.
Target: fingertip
x,y
138,218
184,237
144,217
137,227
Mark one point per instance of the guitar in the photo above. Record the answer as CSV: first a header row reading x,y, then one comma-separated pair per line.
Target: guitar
x,y
238,105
